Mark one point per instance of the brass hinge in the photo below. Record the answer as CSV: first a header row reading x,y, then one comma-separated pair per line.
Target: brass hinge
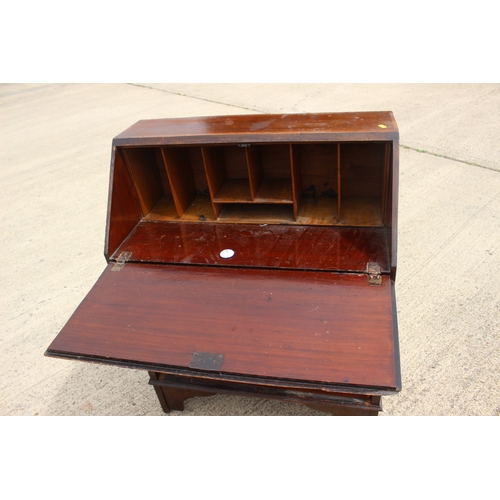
x,y
373,271
120,261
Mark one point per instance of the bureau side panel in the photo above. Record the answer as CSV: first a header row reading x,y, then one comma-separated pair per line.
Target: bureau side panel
x,y
123,209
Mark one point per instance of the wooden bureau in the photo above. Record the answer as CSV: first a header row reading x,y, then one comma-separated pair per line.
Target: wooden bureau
x,y
251,255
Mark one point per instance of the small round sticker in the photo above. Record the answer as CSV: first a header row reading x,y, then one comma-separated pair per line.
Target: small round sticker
x,y
227,253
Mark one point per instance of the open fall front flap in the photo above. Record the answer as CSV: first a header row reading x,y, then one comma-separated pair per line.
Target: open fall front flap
x,y
316,326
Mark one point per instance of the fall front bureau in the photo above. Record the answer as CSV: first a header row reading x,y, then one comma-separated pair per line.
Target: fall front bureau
x,y
251,255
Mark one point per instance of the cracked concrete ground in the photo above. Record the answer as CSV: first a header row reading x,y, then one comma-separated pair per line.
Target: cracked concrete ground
x,y
55,156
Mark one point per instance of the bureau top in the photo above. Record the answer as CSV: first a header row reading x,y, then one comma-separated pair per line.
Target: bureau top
x,y
363,126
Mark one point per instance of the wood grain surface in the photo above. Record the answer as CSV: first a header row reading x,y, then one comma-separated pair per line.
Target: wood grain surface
x,y
275,246
313,326
374,125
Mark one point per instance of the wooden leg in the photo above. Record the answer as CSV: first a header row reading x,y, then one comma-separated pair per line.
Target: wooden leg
x,y
162,399
176,397
153,377
173,398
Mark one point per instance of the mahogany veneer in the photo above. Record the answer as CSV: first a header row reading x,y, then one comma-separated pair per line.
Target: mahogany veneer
x,y
305,309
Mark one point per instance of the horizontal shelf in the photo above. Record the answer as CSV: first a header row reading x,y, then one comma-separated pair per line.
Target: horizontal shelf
x,y
163,210
275,191
199,210
318,211
361,211
355,211
258,213
234,190
278,191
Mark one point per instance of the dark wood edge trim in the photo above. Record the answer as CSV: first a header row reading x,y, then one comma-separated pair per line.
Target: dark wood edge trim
x,y
339,186
110,198
232,139
360,272
296,176
330,226
244,379
386,175
397,359
264,116
259,391
394,215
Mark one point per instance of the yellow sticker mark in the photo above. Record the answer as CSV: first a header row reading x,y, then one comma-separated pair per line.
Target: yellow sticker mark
x,y
382,126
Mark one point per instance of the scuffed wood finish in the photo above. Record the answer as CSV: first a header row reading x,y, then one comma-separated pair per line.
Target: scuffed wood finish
x,y
327,127
275,246
308,326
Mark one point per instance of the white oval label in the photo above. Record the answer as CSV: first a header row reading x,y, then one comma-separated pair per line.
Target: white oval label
x,y
227,253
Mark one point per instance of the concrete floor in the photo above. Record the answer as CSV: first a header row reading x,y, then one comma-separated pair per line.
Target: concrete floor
x,y
55,156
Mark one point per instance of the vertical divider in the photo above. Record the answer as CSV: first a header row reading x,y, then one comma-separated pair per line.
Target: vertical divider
x,y
213,161
255,170
163,171
143,168
295,166
385,182
180,177
339,186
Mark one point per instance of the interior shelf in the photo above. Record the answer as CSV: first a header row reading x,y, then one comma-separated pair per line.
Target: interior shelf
x,y
340,184
361,212
234,191
275,191
257,213
322,211
200,209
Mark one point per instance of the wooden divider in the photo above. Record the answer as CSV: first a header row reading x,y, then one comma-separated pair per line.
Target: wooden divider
x,y
325,184
255,173
180,176
296,179
141,163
